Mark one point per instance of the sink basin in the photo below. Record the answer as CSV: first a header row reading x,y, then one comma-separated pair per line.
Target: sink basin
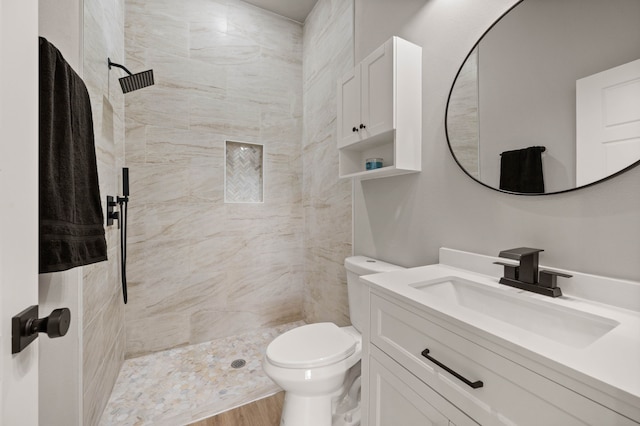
x,y
564,325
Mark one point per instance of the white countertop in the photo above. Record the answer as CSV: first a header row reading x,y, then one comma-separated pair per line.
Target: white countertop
x,y
611,364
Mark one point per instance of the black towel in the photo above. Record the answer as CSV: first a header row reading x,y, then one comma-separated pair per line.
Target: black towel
x,y
71,229
521,170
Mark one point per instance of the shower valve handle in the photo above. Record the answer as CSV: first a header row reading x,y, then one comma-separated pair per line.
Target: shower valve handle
x,y
111,213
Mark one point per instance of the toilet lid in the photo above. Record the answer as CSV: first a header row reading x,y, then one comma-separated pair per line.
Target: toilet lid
x,y
313,345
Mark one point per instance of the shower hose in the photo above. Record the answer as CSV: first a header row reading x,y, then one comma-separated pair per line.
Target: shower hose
x,y
123,202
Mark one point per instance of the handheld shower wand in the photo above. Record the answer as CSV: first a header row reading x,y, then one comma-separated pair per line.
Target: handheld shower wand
x,y
123,202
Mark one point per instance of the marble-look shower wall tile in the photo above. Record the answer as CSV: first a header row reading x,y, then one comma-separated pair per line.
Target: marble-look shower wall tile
x,y
152,333
159,106
93,350
264,289
214,324
167,145
209,44
94,405
225,116
103,313
111,329
156,183
207,79
189,252
164,260
151,30
327,55
135,142
195,292
191,76
206,184
212,12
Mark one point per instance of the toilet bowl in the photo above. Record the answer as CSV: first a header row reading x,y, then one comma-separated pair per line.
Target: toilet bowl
x,y
318,366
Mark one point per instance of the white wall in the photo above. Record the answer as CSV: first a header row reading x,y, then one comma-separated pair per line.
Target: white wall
x,y
406,219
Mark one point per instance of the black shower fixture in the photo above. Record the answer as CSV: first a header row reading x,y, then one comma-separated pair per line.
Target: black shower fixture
x,y
133,81
121,217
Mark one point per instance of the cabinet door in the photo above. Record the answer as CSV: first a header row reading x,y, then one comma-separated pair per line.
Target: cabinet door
x,y
349,108
378,91
396,397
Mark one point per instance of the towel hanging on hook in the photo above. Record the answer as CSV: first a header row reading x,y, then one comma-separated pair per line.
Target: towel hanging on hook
x,y
71,232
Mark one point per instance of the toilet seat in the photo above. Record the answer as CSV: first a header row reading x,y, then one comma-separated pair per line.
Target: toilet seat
x,y
313,345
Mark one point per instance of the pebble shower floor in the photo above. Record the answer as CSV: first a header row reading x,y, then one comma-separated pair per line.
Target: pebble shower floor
x,y
184,385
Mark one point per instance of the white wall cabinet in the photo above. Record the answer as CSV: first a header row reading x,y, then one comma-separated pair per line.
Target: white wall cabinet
x,y
380,112
510,394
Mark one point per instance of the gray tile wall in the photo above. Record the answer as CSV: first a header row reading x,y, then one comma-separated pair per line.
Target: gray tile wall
x,y
328,54
200,269
103,309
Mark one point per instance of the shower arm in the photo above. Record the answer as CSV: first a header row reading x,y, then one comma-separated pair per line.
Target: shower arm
x,y
118,65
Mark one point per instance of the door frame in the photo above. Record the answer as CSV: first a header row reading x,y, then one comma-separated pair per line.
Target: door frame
x,y
19,212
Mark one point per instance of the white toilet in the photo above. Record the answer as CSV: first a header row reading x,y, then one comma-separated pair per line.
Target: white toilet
x,y
318,364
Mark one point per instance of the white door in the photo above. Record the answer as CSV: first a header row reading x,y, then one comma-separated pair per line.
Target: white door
x,y
377,91
19,210
607,122
349,119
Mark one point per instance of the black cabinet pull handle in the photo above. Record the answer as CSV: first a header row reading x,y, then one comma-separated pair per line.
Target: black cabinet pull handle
x,y
355,129
362,126
475,385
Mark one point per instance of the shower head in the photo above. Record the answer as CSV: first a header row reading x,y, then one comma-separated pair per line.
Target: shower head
x,y
133,81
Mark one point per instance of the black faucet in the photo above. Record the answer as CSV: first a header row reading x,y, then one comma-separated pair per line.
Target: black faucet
x,y
525,275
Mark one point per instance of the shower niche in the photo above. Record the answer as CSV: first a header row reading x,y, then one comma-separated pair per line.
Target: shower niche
x,y
244,172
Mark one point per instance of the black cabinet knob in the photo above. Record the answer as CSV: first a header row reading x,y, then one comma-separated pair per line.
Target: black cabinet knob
x,y
362,126
355,129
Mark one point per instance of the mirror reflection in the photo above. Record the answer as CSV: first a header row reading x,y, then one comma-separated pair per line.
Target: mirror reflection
x,y
549,98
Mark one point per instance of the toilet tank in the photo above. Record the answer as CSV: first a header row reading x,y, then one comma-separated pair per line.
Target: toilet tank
x,y
357,266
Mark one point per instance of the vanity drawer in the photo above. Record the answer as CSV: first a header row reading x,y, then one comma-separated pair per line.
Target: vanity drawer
x,y
510,394
397,397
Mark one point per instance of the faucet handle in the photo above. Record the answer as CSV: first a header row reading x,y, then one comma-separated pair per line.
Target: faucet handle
x,y
528,258
519,253
549,279
510,270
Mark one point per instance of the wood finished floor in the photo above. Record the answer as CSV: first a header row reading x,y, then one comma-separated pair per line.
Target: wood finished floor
x,y
263,412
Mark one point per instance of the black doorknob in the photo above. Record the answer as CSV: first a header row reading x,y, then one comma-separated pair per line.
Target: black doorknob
x,y
55,325
26,325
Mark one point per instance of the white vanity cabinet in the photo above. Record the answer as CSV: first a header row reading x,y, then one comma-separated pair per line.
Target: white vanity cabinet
x,y
380,112
399,332
399,398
